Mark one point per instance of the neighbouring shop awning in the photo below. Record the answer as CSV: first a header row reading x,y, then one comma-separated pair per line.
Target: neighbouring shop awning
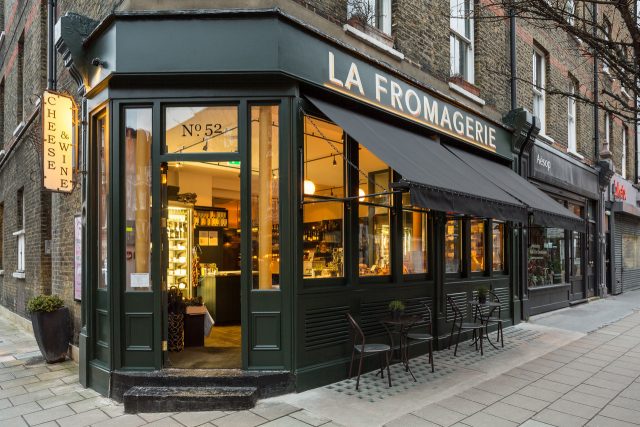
x,y
436,178
546,211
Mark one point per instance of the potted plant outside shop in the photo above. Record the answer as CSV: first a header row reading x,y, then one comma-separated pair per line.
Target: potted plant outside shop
x,y
51,326
482,294
175,322
396,307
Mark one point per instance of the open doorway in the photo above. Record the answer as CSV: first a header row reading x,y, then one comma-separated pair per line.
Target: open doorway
x,y
202,261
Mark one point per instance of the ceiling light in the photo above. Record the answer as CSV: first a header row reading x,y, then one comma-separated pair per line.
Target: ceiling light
x,y
309,187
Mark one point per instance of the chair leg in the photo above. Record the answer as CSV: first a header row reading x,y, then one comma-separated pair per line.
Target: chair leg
x,y
475,338
431,354
359,371
386,353
455,351
453,327
501,335
353,354
381,366
481,350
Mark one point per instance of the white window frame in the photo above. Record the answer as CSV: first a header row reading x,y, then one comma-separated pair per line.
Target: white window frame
x,y
570,7
623,160
462,9
572,132
20,238
539,93
607,35
607,131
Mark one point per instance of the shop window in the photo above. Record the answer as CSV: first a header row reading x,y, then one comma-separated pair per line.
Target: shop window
x,y
477,245
376,13
498,245
414,238
265,200
137,194
461,40
200,128
102,143
453,246
630,252
539,84
324,199
374,215
546,256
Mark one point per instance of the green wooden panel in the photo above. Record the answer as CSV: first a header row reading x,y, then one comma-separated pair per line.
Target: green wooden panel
x,y
266,331
139,331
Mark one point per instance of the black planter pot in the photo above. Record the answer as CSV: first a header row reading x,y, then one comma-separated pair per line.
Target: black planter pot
x,y
52,333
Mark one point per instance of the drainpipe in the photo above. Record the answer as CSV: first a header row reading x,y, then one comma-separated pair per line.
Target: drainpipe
x,y
51,52
512,51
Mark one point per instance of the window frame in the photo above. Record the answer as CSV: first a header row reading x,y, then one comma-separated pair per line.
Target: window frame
x,y
606,35
427,245
607,131
21,244
466,60
539,88
503,242
572,115
623,160
464,236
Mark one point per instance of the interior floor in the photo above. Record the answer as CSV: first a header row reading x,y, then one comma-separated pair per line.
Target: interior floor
x,y
222,349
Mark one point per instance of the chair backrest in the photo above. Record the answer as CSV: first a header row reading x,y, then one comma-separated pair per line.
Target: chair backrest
x,y
425,313
494,297
457,314
357,336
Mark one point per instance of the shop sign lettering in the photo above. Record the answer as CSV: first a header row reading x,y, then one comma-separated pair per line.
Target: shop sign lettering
x,y
619,192
545,163
59,141
411,103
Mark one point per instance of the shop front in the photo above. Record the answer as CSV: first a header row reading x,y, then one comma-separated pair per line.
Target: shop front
x,y
561,256
238,209
623,215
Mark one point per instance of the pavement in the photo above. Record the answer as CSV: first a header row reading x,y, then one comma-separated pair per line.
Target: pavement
x,y
574,367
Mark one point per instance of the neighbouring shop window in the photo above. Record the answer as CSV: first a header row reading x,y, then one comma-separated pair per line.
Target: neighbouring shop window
x,y
453,246
630,252
477,245
324,198
201,128
461,39
102,143
414,238
20,233
546,260
498,245
374,215
137,194
265,200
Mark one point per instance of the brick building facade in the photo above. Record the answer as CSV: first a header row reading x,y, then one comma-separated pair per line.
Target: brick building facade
x,y
419,37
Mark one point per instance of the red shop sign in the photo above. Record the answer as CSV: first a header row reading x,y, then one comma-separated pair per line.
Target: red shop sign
x,y
619,192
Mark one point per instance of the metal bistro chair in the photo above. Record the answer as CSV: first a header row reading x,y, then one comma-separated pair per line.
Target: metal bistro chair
x,y
363,349
496,320
422,332
476,327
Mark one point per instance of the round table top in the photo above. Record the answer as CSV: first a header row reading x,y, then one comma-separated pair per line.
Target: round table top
x,y
402,320
484,304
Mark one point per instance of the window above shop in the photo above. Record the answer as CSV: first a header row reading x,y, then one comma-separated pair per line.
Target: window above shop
x,y
461,40
539,84
571,118
376,13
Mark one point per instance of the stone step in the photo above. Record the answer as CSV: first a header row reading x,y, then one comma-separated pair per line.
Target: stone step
x,y
176,399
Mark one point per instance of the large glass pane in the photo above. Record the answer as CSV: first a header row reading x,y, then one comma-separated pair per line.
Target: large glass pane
x,y
324,202
199,128
477,245
453,246
546,262
265,219
103,200
137,199
374,213
498,246
414,242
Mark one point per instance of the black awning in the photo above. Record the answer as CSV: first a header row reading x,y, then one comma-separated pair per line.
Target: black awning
x,y
437,179
546,211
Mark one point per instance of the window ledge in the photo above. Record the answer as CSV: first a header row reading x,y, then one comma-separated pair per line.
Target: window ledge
x,y
19,274
546,138
372,41
466,93
575,154
19,232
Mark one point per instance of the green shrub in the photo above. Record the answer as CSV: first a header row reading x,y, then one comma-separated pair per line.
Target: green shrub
x,y
396,305
45,303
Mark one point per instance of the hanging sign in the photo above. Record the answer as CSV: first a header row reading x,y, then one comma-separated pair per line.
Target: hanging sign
x,y
58,130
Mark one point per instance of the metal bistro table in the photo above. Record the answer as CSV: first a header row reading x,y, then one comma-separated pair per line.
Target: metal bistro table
x,y
484,318
401,327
